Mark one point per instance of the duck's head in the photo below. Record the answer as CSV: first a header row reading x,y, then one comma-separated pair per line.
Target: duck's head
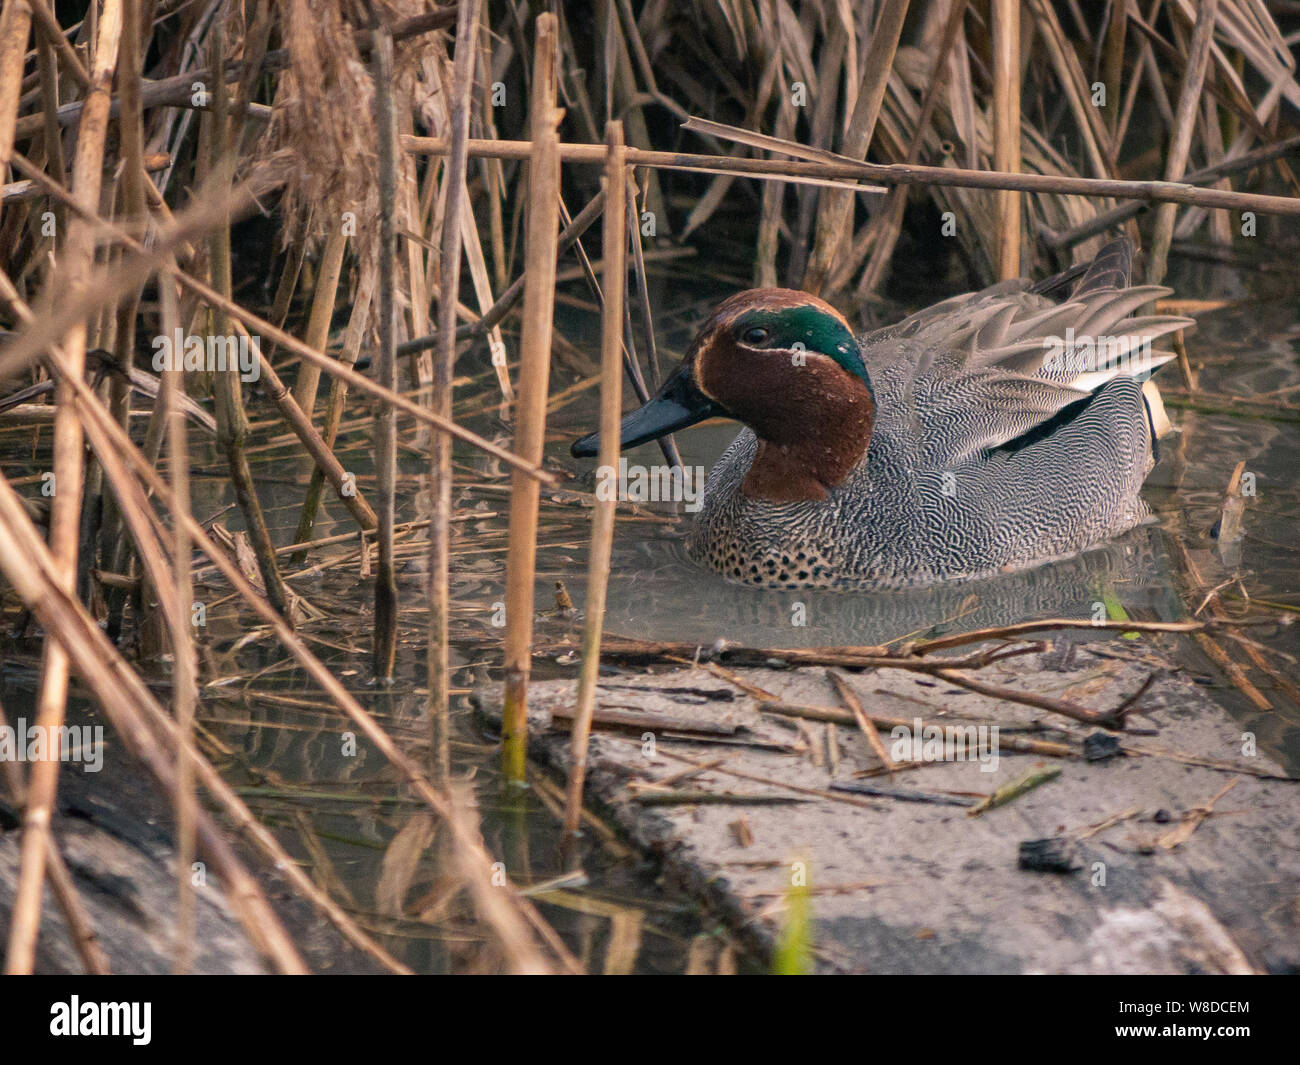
x,y
784,363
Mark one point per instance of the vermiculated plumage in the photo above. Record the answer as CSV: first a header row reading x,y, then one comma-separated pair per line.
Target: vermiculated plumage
x,y
983,457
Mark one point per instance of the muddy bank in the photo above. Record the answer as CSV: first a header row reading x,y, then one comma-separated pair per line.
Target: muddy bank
x,y
1153,863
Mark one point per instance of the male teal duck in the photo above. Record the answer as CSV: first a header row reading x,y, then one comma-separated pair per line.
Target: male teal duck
x,y
992,431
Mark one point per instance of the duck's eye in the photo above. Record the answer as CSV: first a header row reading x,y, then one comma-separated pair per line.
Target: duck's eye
x,y
756,335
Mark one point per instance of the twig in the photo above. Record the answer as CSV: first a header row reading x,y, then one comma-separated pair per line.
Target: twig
x,y
1179,835
850,699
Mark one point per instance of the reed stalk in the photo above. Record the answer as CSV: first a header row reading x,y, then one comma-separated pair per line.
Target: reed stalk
x,y
1006,130
185,666
1189,103
65,510
358,322
322,313
440,472
385,641
836,216
134,206
52,140
1113,63
827,165
327,464
889,223
534,381
614,244
227,395
15,28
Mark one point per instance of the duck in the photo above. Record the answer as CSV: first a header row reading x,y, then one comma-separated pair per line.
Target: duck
x,y
996,430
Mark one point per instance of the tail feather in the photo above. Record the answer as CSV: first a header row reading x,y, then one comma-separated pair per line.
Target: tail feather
x,y
1112,268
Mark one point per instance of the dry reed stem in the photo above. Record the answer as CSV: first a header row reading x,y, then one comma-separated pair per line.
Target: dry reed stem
x,y
15,26
835,219
133,205
781,170
313,666
106,287
53,34
52,139
1113,65
1006,130
358,321
614,244
1189,102
821,163
667,444
850,699
1093,133
890,221
534,383
440,472
322,314
227,392
326,463
385,436
185,666
65,509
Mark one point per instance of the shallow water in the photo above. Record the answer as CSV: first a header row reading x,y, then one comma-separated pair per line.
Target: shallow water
x,y
1247,350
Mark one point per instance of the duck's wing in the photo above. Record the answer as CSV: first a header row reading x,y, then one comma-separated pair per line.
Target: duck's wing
x,y
979,371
